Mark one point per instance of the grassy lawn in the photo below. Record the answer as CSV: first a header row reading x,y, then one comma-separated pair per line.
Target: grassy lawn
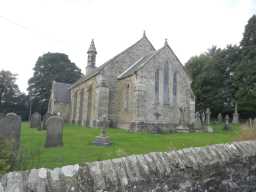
x,y
78,148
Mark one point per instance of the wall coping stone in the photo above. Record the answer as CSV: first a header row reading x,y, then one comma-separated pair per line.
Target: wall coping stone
x,y
131,172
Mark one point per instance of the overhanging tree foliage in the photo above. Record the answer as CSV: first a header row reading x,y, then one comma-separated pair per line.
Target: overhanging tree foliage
x,y
49,67
11,99
222,77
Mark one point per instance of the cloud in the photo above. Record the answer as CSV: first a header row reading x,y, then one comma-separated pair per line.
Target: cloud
x,y
34,27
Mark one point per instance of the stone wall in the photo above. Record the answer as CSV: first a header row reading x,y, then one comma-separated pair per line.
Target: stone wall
x,y
169,112
88,115
125,102
223,167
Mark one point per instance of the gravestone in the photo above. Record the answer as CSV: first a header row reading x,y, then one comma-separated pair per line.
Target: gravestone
x,y
235,115
182,124
45,117
220,118
198,124
10,128
208,116
35,120
103,139
226,126
54,135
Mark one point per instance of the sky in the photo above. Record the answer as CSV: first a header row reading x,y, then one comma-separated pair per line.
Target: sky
x,y
30,28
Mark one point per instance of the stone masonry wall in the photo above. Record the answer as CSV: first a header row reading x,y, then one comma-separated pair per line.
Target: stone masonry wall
x,y
222,167
169,112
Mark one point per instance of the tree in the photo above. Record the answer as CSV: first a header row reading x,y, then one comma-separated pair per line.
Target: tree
x,y
50,67
11,99
245,78
212,79
249,37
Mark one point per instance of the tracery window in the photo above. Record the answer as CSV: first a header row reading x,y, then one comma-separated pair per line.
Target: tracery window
x,y
157,86
175,84
166,84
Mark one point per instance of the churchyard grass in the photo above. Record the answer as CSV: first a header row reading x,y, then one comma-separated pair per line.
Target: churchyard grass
x,y
78,148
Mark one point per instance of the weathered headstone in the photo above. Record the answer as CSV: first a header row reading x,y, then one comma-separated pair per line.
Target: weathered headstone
x,y
198,124
10,128
35,120
235,115
220,118
226,126
45,117
103,139
54,136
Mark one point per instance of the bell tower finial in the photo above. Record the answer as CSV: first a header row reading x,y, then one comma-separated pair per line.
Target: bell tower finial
x,y
91,58
165,42
144,33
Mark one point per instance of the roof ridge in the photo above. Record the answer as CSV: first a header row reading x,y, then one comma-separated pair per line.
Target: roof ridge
x,y
101,67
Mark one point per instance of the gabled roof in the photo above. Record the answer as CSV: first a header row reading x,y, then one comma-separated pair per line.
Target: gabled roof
x,y
138,64
144,60
61,92
100,68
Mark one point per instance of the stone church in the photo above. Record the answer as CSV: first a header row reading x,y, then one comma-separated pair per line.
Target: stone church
x,y
140,89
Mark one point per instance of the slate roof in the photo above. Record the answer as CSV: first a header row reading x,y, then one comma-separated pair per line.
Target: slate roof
x,y
61,92
100,68
144,60
138,64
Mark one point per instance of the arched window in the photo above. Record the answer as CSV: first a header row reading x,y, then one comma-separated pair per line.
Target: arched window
x,y
75,106
157,86
175,84
81,106
166,84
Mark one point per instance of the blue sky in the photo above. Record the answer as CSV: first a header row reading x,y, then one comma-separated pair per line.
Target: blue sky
x,y
30,28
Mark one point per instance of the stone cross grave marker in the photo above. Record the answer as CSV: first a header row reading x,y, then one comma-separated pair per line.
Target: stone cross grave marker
x,y
54,126
35,120
103,139
235,115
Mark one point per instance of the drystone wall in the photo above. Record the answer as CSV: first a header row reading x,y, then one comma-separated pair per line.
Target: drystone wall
x,y
223,167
